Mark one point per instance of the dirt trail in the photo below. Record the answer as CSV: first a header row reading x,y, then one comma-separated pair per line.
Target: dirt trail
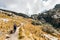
x,y
14,36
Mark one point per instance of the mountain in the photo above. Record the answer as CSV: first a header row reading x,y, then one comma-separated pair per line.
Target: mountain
x,y
57,6
19,27
51,16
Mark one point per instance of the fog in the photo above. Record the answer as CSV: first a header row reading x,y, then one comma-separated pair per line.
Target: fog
x,y
28,7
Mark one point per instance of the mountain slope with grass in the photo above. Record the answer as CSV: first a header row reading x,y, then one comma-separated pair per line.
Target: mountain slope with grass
x,y
26,28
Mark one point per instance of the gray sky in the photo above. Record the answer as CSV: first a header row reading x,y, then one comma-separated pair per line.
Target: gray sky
x,y
28,6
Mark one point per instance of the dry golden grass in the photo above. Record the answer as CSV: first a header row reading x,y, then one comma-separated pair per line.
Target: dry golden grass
x,y
29,31
26,32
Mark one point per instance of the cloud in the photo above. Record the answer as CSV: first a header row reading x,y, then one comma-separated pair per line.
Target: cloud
x,y
28,6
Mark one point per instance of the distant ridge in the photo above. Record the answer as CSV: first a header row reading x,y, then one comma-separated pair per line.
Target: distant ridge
x,y
19,14
57,6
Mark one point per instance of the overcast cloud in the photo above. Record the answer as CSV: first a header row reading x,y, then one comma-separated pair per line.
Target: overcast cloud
x,y
28,6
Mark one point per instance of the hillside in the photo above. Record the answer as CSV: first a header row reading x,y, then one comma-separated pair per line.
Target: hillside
x,y
51,16
26,28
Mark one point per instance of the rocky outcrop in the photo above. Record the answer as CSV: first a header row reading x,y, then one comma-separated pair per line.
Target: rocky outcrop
x,y
51,16
57,6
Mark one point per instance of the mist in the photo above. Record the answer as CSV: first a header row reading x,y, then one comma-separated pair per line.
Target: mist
x,y
28,7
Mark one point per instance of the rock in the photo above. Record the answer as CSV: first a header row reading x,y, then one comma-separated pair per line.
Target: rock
x,y
34,16
36,23
57,6
51,16
7,36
